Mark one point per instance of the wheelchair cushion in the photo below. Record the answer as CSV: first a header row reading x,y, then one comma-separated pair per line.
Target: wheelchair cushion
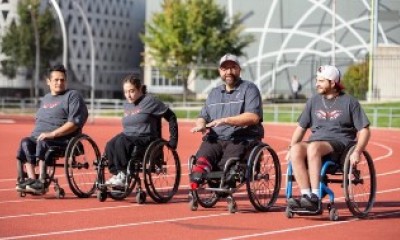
x,y
54,152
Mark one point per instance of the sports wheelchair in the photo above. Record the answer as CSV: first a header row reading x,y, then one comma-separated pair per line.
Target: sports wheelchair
x,y
358,182
80,159
260,171
161,169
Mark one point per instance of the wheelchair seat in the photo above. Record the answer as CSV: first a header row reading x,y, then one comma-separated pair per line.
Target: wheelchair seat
x,y
358,182
259,170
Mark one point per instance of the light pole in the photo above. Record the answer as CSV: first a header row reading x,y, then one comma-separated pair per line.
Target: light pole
x,y
63,31
32,10
373,42
333,33
92,50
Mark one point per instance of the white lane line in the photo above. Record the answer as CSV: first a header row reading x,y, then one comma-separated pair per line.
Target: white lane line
x,y
389,149
115,226
7,121
305,227
70,211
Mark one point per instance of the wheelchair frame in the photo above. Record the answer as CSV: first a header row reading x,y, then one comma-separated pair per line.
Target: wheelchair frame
x,y
351,175
247,173
74,150
151,169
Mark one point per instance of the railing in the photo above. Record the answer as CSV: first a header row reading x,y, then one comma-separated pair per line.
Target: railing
x,y
276,113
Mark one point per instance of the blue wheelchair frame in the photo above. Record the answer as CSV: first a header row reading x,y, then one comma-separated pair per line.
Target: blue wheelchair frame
x,y
351,177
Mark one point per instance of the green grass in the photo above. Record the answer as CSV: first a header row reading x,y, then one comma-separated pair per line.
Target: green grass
x,y
379,114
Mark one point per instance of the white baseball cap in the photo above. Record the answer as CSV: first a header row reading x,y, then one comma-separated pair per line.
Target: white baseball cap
x,y
330,73
229,58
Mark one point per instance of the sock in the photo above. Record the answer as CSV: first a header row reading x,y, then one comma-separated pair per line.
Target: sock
x,y
306,191
315,191
201,167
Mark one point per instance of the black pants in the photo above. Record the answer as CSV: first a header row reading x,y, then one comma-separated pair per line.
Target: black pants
x,y
218,152
120,148
30,149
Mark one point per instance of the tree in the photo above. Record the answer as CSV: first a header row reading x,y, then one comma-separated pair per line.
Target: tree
x,y
189,33
18,43
356,80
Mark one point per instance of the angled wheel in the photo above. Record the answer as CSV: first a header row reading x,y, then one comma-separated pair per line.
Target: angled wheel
x,y
201,196
81,158
359,184
120,193
162,171
263,180
207,198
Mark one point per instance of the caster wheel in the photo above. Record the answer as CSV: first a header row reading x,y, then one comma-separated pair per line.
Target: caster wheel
x,y
140,197
333,214
193,205
101,196
60,193
289,213
22,194
232,207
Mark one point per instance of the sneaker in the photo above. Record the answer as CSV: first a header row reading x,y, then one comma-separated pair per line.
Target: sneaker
x,y
111,180
21,186
120,180
311,203
293,203
36,187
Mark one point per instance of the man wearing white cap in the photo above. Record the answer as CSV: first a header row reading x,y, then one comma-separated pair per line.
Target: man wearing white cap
x,y
230,120
335,119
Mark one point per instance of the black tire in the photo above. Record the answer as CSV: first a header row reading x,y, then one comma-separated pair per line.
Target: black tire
x,y
207,198
124,192
263,180
359,184
204,198
162,171
81,158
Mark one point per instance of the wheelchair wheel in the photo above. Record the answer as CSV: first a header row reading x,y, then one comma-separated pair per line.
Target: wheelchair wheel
x,y
162,171
263,180
120,193
359,184
201,196
207,198
81,157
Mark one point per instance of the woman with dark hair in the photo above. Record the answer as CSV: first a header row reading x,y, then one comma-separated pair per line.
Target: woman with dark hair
x,y
141,126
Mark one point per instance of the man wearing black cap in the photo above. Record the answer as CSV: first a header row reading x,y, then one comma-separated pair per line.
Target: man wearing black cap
x,y
335,120
230,120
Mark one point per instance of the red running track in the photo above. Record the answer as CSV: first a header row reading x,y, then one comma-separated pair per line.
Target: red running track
x,y
45,217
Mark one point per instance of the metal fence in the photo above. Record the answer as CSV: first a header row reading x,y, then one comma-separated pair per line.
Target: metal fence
x,y
276,113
